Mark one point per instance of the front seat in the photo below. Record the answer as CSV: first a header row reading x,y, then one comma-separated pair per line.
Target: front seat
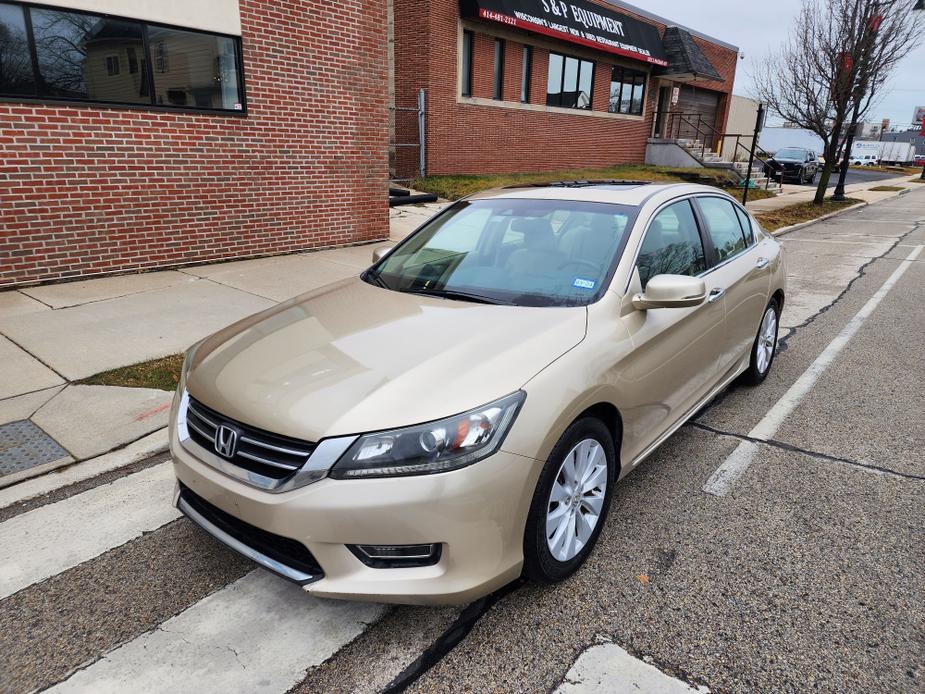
x,y
539,254
593,243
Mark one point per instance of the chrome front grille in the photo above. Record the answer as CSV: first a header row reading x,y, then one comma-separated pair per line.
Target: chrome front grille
x,y
258,451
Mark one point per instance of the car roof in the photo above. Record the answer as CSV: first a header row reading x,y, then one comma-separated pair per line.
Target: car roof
x,y
633,194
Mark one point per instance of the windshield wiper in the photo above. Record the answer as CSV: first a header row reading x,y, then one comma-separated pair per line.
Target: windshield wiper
x,y
462,296
376,279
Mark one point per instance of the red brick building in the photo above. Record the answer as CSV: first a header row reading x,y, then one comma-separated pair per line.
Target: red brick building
x,y
530,85
150,134
174,133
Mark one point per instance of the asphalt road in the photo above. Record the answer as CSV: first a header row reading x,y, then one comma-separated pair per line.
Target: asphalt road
x,y
806,575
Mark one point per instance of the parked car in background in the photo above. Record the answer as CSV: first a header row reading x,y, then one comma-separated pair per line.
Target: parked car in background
x,y
793,163
458,415
919,160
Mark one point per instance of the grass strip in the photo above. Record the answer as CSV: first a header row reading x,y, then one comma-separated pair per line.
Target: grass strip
x,y
801,212
162,374
453,187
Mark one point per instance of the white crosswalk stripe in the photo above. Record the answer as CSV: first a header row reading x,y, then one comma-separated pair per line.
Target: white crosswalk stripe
x,y
53,538
259,634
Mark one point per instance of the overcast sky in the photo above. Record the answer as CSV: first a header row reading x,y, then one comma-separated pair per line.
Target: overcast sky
x,y
757,27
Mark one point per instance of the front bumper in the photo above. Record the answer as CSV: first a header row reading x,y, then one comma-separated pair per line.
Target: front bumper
x,y
477,513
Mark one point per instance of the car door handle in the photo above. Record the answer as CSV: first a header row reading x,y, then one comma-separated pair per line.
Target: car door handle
x,y
761,263
715,294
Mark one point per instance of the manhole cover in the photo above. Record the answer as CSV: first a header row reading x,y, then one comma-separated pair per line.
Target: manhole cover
x,y
23,445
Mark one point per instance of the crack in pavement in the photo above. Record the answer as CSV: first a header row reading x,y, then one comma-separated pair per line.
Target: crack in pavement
x,y
783,445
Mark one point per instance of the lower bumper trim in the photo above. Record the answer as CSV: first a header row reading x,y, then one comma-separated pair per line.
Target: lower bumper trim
x,y
274,565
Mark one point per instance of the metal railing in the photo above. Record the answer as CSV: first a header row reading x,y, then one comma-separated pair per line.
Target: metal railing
x,y
678,125
399,163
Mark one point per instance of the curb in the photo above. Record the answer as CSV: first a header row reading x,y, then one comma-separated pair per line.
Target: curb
x,y
857,206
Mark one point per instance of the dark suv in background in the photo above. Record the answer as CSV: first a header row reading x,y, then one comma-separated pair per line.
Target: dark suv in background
x,y
794,163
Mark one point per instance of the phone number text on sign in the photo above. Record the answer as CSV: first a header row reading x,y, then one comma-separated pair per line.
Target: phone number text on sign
x,y
497,17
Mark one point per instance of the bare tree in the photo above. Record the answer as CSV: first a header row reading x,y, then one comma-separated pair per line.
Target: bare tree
x,y
830,70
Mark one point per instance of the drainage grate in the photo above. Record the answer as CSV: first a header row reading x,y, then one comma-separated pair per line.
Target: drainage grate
x,y
23,445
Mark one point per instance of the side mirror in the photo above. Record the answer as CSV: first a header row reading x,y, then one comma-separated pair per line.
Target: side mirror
x,y
671,291
380,253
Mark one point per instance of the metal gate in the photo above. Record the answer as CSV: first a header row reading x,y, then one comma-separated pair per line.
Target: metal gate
x,y
407,145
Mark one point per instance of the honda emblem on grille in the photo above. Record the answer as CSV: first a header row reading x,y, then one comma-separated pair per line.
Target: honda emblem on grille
x,y
226,441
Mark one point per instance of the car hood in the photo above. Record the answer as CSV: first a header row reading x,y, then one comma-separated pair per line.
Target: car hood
x,y
353,357
787,160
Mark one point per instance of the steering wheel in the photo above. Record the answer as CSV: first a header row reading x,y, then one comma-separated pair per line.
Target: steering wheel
x,y
587,264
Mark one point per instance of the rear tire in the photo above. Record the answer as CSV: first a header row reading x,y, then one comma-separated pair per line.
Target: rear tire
x,y
765,345
566,518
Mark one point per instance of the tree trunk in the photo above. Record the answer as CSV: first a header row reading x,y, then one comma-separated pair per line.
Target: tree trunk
x,y
831,156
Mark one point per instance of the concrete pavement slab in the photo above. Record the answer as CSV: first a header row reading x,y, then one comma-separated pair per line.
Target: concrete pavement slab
x,y
277,278
608,668
357,257
14,303
84,340
23,406
64,294
20,372
92,420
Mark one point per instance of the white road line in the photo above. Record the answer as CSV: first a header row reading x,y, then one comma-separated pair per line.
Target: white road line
x,y
139,450
608,668
53,538
725,476
259,634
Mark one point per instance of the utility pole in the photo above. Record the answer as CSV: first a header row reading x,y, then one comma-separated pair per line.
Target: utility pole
x,y
759,123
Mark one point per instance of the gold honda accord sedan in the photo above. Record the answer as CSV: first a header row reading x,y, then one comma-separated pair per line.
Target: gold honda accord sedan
x,y
457,415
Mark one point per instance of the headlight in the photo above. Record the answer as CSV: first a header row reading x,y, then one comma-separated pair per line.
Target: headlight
x,y
447,444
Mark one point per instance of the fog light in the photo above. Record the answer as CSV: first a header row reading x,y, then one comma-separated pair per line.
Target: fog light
x,y
397,556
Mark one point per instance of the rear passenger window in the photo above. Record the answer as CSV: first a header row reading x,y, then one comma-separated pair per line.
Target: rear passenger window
x,y
746,225
672,245
723,226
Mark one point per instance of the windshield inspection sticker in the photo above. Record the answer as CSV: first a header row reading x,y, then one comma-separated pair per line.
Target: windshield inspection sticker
x,y
583,283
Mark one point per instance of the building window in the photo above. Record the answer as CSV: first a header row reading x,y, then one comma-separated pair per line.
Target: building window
x,y
497,83
201,70
525,74
627,91
16,74
79,56
569,82
466,86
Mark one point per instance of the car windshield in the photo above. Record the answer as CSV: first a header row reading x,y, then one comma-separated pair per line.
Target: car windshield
x,y
511,251
791,153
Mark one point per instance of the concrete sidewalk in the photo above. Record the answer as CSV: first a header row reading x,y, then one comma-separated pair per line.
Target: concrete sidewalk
x,y
54,335
793,194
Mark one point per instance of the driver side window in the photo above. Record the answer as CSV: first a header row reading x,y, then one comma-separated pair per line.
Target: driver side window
x,y
672,245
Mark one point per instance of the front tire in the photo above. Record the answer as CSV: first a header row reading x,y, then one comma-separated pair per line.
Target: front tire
x,y
570,502
765,345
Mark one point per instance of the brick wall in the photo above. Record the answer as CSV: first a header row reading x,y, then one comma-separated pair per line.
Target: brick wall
x,y
468,137
86,190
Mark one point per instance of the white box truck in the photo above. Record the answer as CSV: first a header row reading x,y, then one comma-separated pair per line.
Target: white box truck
x,y
897,153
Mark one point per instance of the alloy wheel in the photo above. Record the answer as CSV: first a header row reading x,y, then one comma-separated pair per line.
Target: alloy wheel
x,y
576,500
767,340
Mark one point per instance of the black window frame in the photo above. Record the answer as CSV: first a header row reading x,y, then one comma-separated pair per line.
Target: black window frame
x,y
497,77
617,107
27,7
526,74
465,86
565,58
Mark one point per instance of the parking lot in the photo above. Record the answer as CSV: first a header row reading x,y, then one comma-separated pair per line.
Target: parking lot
x,y
774,543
